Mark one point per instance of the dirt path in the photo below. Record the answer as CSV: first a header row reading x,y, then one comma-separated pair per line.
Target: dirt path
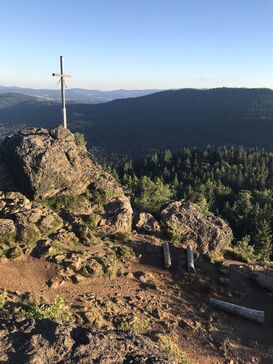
x,y
26,274
179,305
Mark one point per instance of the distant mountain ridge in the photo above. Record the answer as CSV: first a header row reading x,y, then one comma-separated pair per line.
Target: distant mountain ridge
x,y
166,119
77,94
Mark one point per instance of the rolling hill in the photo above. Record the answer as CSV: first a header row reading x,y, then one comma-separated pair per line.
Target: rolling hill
x,y
77,94
167,119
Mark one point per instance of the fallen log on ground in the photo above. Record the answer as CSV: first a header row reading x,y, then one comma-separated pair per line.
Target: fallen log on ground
x,y
248,313
190,259
167,255
263,280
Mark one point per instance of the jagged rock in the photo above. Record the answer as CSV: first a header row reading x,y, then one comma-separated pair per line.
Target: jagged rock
x,y
207,233
47,163
7,229
12,203
49,342
148,224
117,217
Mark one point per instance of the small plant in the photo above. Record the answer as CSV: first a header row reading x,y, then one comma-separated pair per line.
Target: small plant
x,y
14,252
110,264
167,344
139,324
55,248
132,322
244,250
80,140
3,298
67,202
174,235
123,236
57,310
91,221
124,252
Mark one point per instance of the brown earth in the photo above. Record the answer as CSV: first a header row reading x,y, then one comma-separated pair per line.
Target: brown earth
x,y
171,301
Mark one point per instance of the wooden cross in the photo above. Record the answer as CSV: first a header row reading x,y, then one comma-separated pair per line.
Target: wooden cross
x,y
62,76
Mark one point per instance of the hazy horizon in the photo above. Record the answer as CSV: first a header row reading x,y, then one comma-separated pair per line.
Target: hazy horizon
x,y
132,89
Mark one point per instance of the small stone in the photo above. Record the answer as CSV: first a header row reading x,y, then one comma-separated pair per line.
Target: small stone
x,y
78,278
129,275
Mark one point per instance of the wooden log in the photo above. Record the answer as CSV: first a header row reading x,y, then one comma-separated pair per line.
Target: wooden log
x,y
190,259
167,255
248,313
263,280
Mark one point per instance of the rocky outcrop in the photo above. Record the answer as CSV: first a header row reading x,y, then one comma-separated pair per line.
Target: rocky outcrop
x,y
146,223
47,163
50,342
207,233
117,217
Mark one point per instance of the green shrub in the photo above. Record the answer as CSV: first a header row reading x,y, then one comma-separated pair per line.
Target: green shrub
x,y
174,235
67,202
167,344
124,252
244,250
54,311
79,139
91,221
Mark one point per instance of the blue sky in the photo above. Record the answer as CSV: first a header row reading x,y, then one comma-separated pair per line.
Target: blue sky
x,y
111,44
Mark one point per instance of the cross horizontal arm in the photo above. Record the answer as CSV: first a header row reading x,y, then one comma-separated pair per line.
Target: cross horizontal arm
x,y
61,75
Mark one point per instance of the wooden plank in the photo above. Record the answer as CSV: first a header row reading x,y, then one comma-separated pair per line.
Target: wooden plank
x,y
167,255
190,259
248,313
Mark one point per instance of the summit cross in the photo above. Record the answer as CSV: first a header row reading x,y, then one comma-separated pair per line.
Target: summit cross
x,y
62,77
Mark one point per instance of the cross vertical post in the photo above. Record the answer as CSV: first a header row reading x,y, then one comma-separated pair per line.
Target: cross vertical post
x,y
62,76
63,92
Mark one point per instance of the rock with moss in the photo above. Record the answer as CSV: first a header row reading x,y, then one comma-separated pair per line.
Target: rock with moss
x,y
206,232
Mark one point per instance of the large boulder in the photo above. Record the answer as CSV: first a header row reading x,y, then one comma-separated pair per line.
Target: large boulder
x,y
47,163
117,217
206,232
146,223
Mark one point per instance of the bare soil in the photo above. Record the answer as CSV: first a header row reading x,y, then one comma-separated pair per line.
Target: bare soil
x,y
177,304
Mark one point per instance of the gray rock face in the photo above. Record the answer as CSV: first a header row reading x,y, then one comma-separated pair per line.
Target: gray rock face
x,y
47,342
147,223
207,233
47,163
117,217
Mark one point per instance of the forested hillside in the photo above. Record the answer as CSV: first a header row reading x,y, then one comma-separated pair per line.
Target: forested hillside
x,y
234,183
167,119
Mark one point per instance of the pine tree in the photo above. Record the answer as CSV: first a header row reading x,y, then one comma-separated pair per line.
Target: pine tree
x,y
263,240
